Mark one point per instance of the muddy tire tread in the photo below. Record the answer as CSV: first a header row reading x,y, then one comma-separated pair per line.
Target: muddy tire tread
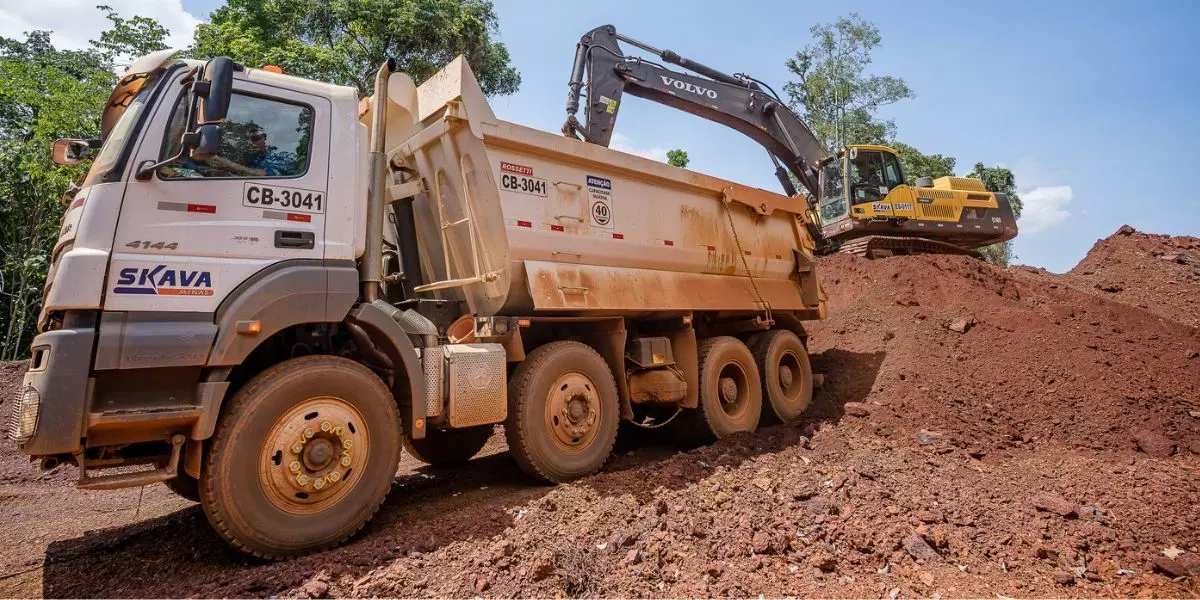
x,y
696,425
517,428
760,346
238,404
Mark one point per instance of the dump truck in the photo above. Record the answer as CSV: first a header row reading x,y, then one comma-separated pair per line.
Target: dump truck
x,y
267,288
860,199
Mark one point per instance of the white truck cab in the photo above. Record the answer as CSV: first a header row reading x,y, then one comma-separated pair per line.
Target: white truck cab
x,y
257,298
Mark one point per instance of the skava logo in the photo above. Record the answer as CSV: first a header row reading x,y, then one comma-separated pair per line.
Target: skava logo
x,y
163,281
599,182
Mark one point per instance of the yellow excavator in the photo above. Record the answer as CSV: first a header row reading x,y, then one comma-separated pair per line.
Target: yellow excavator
x,y
860,199
866,206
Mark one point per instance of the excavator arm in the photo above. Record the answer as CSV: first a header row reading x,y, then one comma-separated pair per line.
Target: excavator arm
x,y
735,101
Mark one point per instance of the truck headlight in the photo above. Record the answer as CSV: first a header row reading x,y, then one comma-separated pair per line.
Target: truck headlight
x,y
23,421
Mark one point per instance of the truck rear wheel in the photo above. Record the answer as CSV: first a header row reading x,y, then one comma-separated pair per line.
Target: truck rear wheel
x,y
730,393
302,458
562,412
450,447
786,374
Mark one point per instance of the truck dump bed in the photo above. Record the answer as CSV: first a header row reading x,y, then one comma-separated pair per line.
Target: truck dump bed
x,y
519,221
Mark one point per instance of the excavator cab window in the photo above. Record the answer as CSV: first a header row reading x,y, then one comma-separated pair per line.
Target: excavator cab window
x,y
833,193
868,179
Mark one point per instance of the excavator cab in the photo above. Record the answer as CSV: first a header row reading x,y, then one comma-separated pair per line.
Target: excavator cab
x,y
857,175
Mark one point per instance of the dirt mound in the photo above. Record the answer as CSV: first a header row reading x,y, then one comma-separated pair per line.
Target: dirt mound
x,y
1159,273
982,432
1001,359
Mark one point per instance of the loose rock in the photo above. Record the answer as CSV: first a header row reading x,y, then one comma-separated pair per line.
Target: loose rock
x,y
1154,444
961,325
1054,504
919,549
1062,577
856,409
1169,567
542,565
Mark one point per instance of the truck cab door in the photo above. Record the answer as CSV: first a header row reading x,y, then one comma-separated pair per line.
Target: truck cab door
x,y
192,230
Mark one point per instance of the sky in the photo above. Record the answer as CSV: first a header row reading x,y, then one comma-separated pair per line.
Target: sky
x,y
1077,97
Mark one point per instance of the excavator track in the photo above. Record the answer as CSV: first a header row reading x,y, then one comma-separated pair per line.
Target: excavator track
x,y
879,246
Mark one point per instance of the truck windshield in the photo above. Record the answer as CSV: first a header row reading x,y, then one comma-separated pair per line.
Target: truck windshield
x,y
110,152
833,197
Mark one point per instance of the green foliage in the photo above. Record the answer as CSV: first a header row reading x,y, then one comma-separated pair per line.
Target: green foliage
x,y
345,41
834,92
916,164
678,158
128,38
46,94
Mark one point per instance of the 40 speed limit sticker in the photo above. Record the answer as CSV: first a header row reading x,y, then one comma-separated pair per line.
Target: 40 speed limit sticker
x,y
600,196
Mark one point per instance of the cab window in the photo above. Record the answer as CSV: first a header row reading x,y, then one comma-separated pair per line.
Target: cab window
x,y
260,138
892,175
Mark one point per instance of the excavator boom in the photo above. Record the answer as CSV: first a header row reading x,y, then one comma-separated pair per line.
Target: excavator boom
x,y
735,101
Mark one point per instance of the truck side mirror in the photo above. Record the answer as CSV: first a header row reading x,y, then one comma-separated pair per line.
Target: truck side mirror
x,y
214,89
71,152
205,142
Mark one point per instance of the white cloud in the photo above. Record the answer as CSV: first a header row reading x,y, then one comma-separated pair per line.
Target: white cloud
x,y
624,144
1045,207
74,22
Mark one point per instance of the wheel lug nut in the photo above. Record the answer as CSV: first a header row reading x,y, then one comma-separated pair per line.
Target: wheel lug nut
x,y
345,461
325,426
319,483
338,430
346,443
302,479
295,466
308,433
334,476
297,448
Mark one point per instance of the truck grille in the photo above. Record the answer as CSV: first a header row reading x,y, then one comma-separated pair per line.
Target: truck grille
x,y
22,421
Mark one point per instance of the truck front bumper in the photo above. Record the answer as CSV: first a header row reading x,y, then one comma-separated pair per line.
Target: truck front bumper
x,y
49,411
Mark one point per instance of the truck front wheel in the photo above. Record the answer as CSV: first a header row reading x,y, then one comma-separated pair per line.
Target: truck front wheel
x,y
562,412
302,458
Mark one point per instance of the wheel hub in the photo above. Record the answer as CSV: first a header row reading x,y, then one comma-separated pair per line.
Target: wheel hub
x,y
310,454
785,376
573,411
729,390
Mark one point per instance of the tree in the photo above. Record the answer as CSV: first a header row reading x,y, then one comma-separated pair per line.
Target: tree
x,y
45,94
345,41
916,164
678,158
1001,181
834,93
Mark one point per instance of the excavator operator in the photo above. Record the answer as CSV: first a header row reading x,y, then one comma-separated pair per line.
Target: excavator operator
x,y
865,175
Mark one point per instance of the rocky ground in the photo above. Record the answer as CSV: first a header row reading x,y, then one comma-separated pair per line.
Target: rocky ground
x,y
982,432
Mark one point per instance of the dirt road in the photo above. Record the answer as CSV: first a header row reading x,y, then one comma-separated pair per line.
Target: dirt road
x,y
982,432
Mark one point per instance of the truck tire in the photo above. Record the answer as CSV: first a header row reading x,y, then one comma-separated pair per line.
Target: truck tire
x,y
730,393
302,457
185,487
562,412
786,372
450,447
